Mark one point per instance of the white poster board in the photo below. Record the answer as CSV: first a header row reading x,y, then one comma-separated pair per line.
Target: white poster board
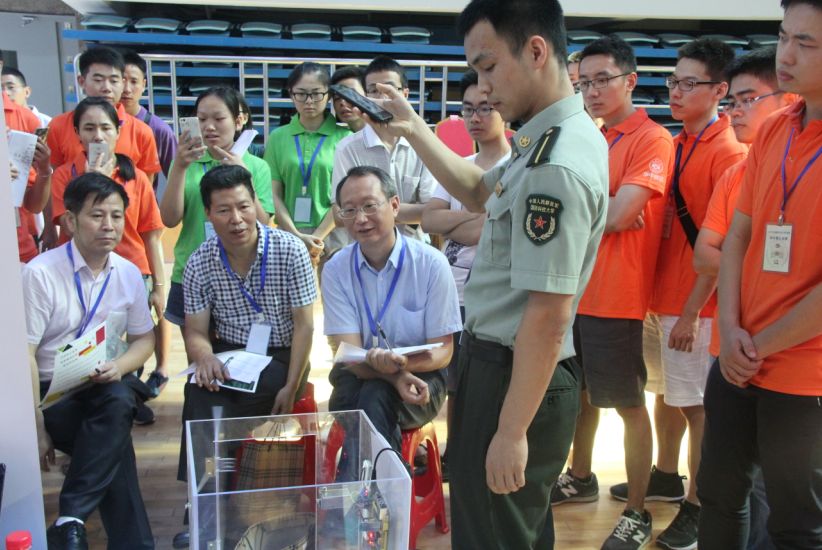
x,y
23,492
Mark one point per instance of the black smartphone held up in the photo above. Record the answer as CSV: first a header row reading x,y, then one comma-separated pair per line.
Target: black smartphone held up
x,y
364,104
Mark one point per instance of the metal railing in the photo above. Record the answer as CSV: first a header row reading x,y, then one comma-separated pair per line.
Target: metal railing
x,y
432,74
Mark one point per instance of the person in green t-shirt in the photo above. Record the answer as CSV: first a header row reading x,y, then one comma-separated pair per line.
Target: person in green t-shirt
x,y
301,158
219,112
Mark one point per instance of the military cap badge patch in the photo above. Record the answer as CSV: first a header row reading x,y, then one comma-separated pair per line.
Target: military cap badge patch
x,y
542,214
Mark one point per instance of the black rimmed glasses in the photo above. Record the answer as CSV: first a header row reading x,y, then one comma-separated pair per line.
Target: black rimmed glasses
x,y
302,97
482,111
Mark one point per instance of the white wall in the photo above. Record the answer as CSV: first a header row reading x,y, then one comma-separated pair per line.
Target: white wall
x,y
39,55
631,9
23,493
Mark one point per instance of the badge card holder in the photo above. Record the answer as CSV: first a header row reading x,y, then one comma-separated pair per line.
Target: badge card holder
x,y
258,337
777,255
302,208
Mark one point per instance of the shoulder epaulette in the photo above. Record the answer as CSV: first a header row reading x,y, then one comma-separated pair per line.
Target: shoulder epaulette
x,y
542,150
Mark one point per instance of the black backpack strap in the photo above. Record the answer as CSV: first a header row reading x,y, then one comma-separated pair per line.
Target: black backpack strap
x,y
688,225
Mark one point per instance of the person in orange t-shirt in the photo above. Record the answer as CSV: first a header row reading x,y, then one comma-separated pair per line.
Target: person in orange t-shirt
x,y
764,394
678,327
39,182
612,309
97,122
753,95
101,75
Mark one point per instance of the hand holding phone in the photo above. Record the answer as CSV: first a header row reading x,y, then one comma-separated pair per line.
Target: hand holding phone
x,y
374,111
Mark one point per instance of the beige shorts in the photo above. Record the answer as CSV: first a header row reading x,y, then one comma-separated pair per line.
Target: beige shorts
x,y
679,376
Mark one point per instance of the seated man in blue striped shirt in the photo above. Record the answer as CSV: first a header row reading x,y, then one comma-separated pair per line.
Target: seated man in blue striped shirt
x,y
387,291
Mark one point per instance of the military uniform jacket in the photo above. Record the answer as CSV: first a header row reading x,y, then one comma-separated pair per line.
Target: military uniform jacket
x,y
546,216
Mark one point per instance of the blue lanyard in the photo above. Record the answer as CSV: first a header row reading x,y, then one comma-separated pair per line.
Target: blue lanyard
x,y
263,268
87,316
786,193
677,169
307,173
619,137
372,323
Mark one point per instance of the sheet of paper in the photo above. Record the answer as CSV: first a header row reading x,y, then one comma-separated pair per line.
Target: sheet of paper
x,y
243,367
75,363
347,353
21,153
243,142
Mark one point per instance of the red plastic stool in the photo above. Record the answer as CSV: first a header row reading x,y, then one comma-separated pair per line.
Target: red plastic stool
x,y
306,403
427,500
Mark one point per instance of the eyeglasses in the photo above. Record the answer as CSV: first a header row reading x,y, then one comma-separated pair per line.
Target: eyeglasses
x,y
597,83
369,209
482,111
747,103
686,85
302,97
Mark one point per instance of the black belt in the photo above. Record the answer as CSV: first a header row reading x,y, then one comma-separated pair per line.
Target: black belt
x,y
489,351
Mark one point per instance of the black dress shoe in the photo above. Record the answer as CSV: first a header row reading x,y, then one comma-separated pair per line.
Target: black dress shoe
x,y
181,540
69,536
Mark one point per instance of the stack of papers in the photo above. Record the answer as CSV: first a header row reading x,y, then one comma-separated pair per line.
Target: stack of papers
x,y
348,353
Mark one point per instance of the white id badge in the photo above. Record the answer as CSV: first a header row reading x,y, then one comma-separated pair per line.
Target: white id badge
x,y
258,338
209,230
17,216
302,210
777,255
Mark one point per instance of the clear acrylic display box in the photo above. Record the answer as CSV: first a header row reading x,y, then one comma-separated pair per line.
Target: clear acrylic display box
x,y
295,482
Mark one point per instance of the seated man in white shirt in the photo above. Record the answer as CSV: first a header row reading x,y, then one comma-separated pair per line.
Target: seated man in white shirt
x,y
69,291
387,291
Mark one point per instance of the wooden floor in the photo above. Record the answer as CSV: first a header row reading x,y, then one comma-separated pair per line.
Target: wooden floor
x,y
578,526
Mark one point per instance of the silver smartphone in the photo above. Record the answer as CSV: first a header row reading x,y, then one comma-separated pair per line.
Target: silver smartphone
x,y
192,125
96,151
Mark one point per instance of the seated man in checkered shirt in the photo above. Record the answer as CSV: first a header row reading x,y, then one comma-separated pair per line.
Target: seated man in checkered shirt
x,y
249,287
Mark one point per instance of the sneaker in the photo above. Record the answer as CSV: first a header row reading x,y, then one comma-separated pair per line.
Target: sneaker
x,y
631,533
662,487
145,415
156,382
681,534
572,489
69,536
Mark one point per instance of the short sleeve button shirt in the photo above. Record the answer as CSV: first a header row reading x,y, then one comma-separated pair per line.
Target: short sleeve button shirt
x,y
424,304
289,284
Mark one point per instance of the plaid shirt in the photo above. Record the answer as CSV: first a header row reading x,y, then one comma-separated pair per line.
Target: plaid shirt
x,y
289,284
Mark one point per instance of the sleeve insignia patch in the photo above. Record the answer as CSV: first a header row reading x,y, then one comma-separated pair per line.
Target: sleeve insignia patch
x,y
542,214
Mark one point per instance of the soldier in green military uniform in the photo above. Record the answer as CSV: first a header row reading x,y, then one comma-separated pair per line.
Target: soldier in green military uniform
x,y
518,390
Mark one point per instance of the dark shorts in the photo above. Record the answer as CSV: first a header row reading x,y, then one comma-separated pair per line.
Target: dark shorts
x,y
611,357
175,307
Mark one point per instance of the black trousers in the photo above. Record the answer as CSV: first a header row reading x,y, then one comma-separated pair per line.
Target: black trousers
x,y
481,519
199,403
94,427
783,434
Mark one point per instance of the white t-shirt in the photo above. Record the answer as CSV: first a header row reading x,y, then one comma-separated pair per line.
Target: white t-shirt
x,y
460,257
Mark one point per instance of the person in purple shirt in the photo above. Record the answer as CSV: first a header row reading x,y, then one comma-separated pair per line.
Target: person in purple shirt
x,y
135,85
